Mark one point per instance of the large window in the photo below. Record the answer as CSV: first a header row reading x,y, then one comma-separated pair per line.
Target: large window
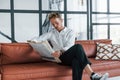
x,y
24,19
21,20
105,20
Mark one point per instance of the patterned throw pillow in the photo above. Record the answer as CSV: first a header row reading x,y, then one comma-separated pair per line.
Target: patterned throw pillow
x,y
108,51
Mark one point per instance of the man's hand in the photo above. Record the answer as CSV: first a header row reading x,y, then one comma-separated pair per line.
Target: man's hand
x,y
56,54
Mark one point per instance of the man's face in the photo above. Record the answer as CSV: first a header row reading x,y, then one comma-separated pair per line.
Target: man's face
x,y
56,22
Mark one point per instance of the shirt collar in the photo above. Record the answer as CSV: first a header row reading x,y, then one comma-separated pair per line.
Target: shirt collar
x,y
64,30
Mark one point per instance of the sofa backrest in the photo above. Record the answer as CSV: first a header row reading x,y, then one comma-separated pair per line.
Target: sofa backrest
x,y
90,46
23,52
18,53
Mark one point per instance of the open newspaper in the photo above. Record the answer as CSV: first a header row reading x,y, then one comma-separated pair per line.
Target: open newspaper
x,y
44,48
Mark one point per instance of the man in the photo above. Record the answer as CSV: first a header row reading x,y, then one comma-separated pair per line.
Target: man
x,y
70,54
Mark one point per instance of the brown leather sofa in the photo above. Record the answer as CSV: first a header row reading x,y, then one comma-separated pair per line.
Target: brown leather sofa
x,y
18,61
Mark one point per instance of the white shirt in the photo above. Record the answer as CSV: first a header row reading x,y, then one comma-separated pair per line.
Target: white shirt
x,y
62,40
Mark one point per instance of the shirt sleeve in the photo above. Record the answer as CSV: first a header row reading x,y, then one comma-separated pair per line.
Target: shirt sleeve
x,y
43,37
70,41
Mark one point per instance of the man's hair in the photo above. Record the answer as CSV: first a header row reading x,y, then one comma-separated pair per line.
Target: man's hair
x,y
54,15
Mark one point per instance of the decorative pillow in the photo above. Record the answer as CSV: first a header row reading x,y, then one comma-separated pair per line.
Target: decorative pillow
x,y
108,51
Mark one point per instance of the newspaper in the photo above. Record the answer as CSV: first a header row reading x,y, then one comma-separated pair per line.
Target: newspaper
x,y
45,49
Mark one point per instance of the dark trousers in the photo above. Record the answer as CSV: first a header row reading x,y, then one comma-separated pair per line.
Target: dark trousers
x,y
75,57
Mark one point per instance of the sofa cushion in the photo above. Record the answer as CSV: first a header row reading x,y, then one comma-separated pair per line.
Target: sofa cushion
x,y
90,46
108,51
18,53
34,70
48,70
103,66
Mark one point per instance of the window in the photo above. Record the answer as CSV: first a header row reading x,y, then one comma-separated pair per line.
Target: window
x,y
53,5
100,31
78,22
19,23
26,5
5,27
90,19
114,6
76,5
30,18
105,20
99,5
27,25
4,4
115,33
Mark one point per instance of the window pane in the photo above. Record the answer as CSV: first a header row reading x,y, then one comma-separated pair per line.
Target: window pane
x,y
4,4
114,5
26,4
78,23
5,27
114,18
77,5
115,34
46,25
99,5
100,32
53,5
4,39
26,26
104,18
100,18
